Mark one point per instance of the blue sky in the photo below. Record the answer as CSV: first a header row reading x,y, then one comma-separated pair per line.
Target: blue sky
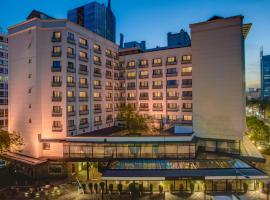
x,y
150,20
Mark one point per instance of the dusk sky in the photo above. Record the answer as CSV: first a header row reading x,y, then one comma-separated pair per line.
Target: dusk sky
x,y
150,20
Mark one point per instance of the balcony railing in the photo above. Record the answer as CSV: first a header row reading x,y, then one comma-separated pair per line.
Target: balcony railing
x,y
109,76
56,39
144,98
156,64
81,126
56,54
172,86
71,99
186,62
173,109
143,66
84,46
108,55
97,87
157,109
171,63
97,63
97,123
131,88
71,70
56,84
143,76
57,113
143,87
157,75
56,69
71,84
157,86
108,87
131,77
171,74
72,128
83,98
172,97
98,51
186,109
157,97
97,98
109,65
84,59
54,99
83,85
57,128
109,109
97,74
131,98
186,97
186,73
71,55
143,109
71,40
71,113
83,112
83,72
186,85
109,120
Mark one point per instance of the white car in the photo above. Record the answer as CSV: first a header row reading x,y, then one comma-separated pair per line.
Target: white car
x,y
2,164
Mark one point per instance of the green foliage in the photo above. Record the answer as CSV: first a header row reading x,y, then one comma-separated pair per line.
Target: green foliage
x,y
257,129
264,105
134,121
10,141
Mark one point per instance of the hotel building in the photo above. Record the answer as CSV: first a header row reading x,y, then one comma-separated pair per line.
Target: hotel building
x,y
67,85
3,81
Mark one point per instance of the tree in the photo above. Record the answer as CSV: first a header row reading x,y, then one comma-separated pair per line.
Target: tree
x,y
257,129
10,141
134,122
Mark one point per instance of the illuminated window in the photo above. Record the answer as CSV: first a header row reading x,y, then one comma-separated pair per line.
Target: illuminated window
x,y
171,59
97,47
187,105
144,73
186,58
157,94
70,79
57,94
143,62
172,105
172,117
70,93
57,34
57,124
97,59
83,55
157,61
70,51
108,52
97,119
131,63
187,69
56,79
172,94
83,107
187,117
97,94
131,95
131,74
157,105
71,108
56,49
83,42
157,83
83,81
83,94
97,83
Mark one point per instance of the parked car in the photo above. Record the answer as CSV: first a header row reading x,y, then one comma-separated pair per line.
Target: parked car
x,y
2,164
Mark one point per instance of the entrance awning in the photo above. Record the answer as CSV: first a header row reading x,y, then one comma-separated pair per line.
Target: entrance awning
x,y
23,159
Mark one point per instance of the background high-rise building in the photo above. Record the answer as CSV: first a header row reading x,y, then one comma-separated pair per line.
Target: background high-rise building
x,y
3,81
181,39
96,17
265,76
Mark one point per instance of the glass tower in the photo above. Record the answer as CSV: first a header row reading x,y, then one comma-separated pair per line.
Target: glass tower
x,y
265,76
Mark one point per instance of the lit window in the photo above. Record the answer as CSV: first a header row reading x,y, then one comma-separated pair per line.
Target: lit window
x,y
186,58
171,59
157,94
97,82
97,59
131,63
157,61
83,42
83,54
70,79
57,34
144,73
70,93
187,117
56,49
97,47
97,94
187,69
131,74
83,94
70,108
83,81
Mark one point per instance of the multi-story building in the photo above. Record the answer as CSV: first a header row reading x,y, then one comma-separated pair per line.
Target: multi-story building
x,y
180,39
65,96
95,17
265,76
3,81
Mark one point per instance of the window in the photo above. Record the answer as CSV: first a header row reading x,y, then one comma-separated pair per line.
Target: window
x,y
143,62
56,50
171,60
158,116
131,63
186,69
157,61
157,94
172,105
157,105
71,36
97,83
131,84
108,52
186,81
71,123
56,64
109,106
131,74
144,73
57,35
57,94
56,79
187,117
70,65
97,94
157,72
172,94
83,42
108,73
46,146
187,94
29,90
83,108
97,71
83,121
143,105
70,79
109,95
70,51
171,71
70,94
187,105
83,94
131,95
56,109
144,95
186,58
108,63
97,47
97,119
171,82
55,169
172,117
83,81
144,84
71,108
83,68
83,55
157,83
97,59
57,124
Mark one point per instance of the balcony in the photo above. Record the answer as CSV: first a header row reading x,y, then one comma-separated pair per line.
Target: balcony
x,y
156,75
109,98
186,109
171,63
56,99
172,86
143,87
71,114
97,98
186,85
83,72
108,87
144,98
130,67
97,123
56,84
81,126
143,66
70,99
109,109
98,51
56,54
84,59
83,112
71,55
172,109
71,40
186,73
131,88
156,64
71,70
83,98
186,97
57,128
109,121
56,69
109,76
157,97
172,97
131,98
157,86
109,65
84,46
119,78
71,84
72,128
186,62
143,109
143,76
57,113
83,85
108,55
97,87
172,74
131,77
97,63
97,74
157,109
56,39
